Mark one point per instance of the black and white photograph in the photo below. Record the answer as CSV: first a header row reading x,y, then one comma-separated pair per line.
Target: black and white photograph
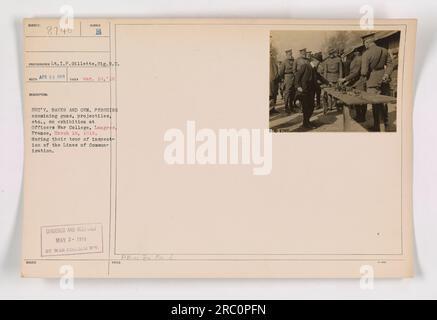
x,y
333,81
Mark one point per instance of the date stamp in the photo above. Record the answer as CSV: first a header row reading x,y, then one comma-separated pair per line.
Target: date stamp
x,y
74,239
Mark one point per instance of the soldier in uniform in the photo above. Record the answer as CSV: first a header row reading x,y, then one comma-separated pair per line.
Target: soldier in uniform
x,y
301,60
321,71
344,63
394,73
274,75
286,72
375,69
354,79
333,67
280,82
298,63
319,57
333,70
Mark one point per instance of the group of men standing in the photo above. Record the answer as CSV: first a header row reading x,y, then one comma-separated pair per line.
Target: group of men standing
x,y
301,80
303,77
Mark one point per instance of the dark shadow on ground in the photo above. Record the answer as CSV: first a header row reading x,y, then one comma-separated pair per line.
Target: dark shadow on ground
x,y
318,120
328,118
288,124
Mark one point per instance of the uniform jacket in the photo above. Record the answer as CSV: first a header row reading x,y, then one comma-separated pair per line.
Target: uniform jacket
x,y
333,69
355,73
274,70
374,61
298,63
286,68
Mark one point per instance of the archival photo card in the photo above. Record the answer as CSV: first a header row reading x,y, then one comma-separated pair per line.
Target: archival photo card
x,y
172,148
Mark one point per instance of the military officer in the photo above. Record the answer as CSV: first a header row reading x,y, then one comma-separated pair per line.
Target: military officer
x,y
354,79
333,67
394,73
302,59
333,70
298,63
280,82
274,75
376,67
319,57
321,71
286,72
344,63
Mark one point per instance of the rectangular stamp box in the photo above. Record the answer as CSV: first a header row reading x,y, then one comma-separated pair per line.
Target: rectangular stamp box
x,y
74,239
